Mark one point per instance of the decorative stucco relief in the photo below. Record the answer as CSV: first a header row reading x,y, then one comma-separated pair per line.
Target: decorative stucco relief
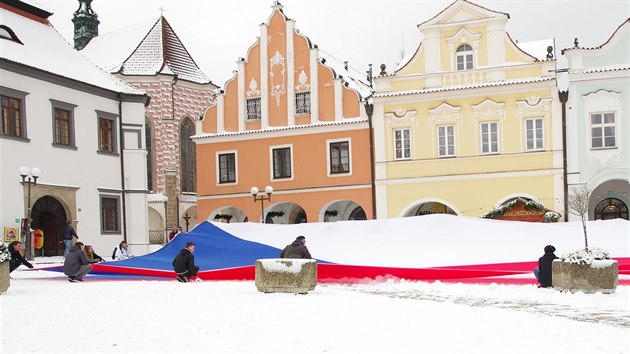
x,y
277,75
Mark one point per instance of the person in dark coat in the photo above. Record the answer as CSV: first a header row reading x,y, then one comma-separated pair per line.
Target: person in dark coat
x,y
66,235
16,257
543,272
76,264
297,249
184,264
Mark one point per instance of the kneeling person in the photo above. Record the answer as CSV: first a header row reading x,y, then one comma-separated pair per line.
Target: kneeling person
x,y
76,264
184,264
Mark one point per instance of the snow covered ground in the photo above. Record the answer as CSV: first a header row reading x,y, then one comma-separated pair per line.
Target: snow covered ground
x,y
43,312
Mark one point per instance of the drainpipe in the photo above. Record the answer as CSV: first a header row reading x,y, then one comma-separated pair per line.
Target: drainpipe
x,y
122,166
564,97
369,109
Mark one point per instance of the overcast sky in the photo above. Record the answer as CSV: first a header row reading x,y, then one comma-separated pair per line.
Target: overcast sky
x,y
216,33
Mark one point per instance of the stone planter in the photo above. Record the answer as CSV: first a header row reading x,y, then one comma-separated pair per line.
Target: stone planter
x,y
283,275
5,279
600,276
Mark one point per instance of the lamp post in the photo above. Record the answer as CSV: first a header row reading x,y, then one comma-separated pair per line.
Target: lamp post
x,y
262,198
29,177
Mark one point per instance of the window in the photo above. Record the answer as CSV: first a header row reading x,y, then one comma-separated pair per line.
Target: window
x,y
13,113
464,57
611,208
7,33
402,143
446,141
63,124
339,157
282,162
187,156
149,147
489,138
107,132
105,137
227,168
12,116
303,102
603,130
110,215
253,108
534,134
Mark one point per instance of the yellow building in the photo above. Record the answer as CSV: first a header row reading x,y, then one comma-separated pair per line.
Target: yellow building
x,y
470,121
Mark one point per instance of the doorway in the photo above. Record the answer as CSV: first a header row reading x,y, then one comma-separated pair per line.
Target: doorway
x,y
49,216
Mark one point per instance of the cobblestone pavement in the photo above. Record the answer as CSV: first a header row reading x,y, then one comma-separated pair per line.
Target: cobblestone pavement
x,y
611,317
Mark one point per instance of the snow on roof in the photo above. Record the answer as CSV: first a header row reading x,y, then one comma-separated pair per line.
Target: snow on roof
x,y
355,79
45,49
538,49
463,87
147,48
319,124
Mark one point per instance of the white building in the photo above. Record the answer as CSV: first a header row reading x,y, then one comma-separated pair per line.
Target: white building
x,y
82,127
598,128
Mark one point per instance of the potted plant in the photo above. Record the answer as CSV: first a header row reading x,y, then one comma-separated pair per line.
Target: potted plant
x,y
586,270
5,264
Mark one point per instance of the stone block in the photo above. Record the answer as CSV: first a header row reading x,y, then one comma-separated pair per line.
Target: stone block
x,y
600,276
284,275
5,279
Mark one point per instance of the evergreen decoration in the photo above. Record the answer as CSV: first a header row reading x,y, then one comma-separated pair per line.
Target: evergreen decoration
x,y
275,214
586,257
330,213
5,255
226,217
500,210
551,216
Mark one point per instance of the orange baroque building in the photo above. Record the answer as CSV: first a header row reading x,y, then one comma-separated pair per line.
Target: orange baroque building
x,y
294,118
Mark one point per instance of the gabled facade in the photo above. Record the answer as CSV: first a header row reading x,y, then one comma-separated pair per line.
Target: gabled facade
x,y
470,122
82,127
150,57
292,117
598,128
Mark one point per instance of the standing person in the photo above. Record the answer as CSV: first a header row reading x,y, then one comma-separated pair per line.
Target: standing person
x,y
184,264
91,256
16,257
543,272
297,249
66,235
122,252
76,264
173,233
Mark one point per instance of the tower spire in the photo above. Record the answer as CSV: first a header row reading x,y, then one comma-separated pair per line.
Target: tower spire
x,y
85,24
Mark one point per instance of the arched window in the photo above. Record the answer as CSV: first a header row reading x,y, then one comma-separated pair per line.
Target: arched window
x,y
464,57
187,156
149,147
611,208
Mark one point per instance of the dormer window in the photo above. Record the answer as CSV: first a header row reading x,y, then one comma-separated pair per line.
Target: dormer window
x,y
464,57
7,33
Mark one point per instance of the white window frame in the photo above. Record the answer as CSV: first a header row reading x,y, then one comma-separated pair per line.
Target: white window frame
x,y
402,146
464,54
340,140
303,109
489,124
254,104
218,167
535,138
603,127
445,127
271,163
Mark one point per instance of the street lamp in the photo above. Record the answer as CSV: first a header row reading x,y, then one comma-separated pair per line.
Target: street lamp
x,y
29,177
262,198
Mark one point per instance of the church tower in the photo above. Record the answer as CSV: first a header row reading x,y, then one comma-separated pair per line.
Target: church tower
x,y
85,24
